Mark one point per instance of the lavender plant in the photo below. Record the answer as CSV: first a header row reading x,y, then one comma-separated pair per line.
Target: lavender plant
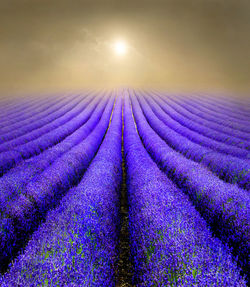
x,y
229,168
218,116
23,214
51,126
193,136
225,207
24,109
201,118
37,120
77,245
171,244
9,159
13,182
178,114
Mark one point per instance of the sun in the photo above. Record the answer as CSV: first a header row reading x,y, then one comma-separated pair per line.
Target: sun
x,y
120,48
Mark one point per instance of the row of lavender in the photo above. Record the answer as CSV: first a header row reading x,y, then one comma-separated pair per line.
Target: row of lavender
x,y
77,244
35,185
227,161
170,242
224,206
198,121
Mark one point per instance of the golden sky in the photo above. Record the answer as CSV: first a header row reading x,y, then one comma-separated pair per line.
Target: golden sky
x,y
185,45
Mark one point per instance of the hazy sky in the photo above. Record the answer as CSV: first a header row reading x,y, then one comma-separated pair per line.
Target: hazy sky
x,y
173,44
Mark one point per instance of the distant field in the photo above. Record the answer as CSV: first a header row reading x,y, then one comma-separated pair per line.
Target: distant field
x,y
124,188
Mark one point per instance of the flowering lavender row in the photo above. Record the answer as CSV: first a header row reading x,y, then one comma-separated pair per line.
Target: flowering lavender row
x,y
13,182
171,244
225,207
201,118
77,245
35,127
20,106
206,123
225,103
20,113
215,108
25,212
10,158
229,168
39,119
237,108
219,118
36,113
219,111
9,104
34,134
20,109
178,114
193,136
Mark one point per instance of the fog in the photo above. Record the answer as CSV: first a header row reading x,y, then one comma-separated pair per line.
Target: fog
x,y
174,45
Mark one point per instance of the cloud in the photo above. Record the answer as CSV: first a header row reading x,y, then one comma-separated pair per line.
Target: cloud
x,y
185,44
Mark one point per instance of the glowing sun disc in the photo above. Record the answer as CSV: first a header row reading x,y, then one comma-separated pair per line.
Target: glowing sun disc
x,y
120,48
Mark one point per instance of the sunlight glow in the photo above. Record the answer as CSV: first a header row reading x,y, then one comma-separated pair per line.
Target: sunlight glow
x,y
120,48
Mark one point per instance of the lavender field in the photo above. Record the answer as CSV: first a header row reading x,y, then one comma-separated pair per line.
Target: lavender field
x,y
125,188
